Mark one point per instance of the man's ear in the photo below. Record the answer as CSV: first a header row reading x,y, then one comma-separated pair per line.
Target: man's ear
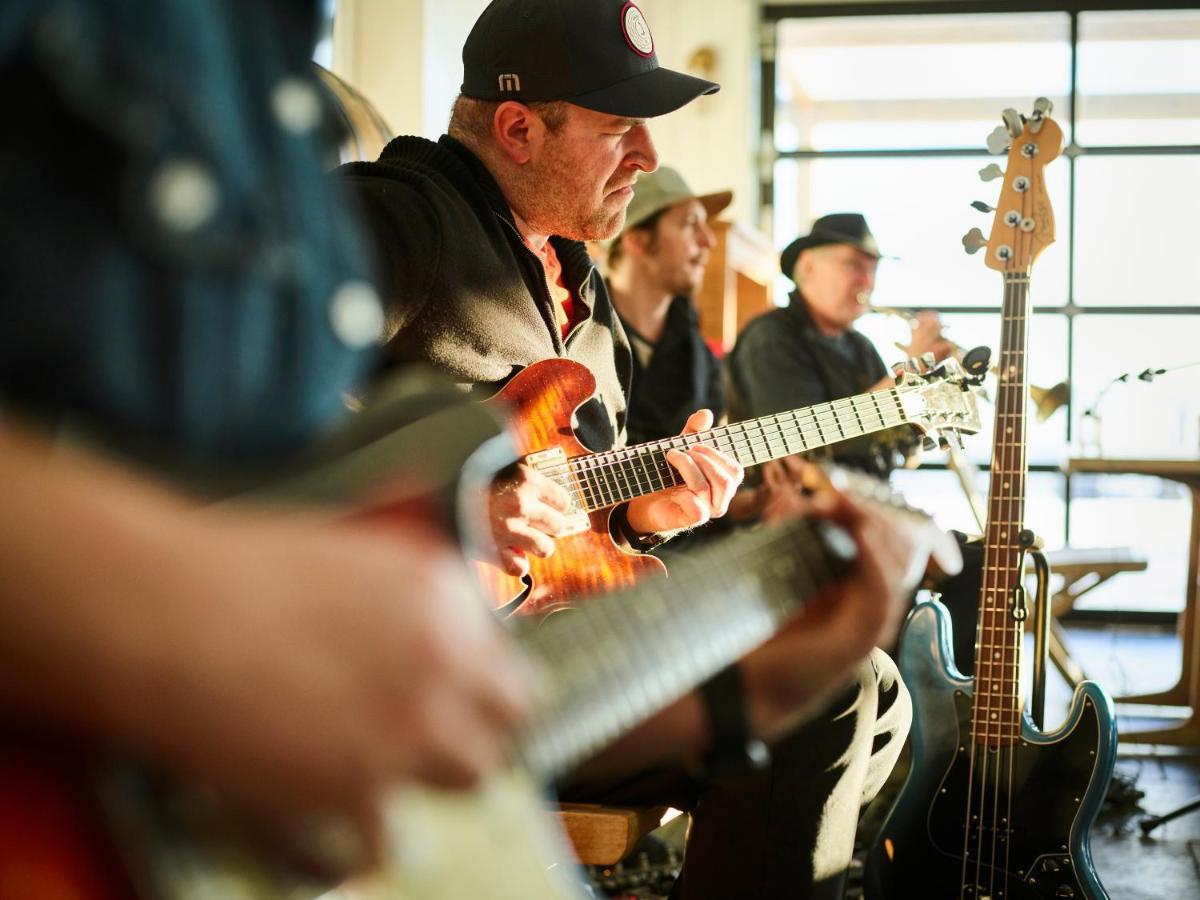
x,y
803,267
518,131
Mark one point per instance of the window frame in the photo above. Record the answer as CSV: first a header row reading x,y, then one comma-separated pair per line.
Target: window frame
x,y
774,14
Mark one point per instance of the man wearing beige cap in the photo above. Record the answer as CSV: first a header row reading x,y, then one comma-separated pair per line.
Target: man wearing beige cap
x,y
656,264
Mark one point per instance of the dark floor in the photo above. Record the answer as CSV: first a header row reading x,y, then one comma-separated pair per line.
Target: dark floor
x,y
1165,865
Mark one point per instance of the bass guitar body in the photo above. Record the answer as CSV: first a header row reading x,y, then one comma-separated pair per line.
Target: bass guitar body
x,y
975,822
541,401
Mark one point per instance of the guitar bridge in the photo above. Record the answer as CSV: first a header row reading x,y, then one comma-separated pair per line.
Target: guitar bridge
x,y
554,465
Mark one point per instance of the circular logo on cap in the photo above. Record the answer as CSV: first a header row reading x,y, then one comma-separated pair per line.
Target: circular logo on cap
x,y
636,31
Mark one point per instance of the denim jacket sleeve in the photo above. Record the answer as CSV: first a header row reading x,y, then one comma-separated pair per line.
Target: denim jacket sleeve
x,y
177,274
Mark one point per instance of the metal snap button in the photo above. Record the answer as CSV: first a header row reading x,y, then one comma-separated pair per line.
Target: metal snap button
x,y
356,314
183,194
296,106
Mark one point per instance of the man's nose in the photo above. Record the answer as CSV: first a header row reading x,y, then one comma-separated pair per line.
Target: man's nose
x,y
642,153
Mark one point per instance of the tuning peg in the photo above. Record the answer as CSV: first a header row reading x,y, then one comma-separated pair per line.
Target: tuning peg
x,y
999,141
1013,122
982,207
990,172
973,240
1041,110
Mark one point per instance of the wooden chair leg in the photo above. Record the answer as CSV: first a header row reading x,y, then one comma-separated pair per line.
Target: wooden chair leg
x,y
604,835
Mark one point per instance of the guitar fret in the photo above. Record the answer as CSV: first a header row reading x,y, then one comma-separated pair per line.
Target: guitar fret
x,y
598,481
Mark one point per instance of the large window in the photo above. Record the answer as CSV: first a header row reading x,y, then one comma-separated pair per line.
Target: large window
x,y
885,109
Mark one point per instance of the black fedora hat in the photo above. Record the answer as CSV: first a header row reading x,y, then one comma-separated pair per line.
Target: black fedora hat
x,y
835,228
598,54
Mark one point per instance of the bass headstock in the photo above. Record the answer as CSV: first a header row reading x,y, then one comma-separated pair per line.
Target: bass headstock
x,y
1023,225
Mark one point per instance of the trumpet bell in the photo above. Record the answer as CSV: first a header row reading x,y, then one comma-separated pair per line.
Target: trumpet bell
x,y
1048,400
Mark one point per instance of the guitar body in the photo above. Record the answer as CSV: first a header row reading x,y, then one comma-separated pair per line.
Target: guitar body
x,y
1057,782
541,401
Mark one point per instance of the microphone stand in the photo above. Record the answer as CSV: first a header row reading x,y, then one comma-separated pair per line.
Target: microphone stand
x,y
1092,412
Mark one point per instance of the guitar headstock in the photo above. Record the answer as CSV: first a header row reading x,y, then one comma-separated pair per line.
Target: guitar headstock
x,y
1023,225
940,399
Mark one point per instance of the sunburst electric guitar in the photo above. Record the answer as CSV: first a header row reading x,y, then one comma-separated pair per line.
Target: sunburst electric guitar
x,y
993,807
542,398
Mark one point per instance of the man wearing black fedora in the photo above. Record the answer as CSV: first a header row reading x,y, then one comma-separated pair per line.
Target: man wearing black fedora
x,y
808,352
485,273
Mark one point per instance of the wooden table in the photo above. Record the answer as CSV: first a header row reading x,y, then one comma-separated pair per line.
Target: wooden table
x,y
1186,691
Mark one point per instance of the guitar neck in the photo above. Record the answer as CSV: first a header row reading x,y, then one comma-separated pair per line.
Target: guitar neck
x,y
616,476
617,659
997,703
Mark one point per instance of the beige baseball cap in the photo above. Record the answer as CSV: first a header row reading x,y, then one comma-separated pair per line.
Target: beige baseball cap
x,y
665,187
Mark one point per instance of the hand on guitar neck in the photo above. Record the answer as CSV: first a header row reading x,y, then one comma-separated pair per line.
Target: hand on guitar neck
x,y
835,632
812,657
527,509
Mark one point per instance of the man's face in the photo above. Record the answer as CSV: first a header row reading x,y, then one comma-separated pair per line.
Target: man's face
x,y
677,250
580,180
837,281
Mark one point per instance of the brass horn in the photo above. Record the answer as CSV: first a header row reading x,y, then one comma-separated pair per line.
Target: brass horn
x,y
1046,400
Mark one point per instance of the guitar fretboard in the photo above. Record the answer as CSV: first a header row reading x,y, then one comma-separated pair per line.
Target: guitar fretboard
x,y
600,480
996,706
619,658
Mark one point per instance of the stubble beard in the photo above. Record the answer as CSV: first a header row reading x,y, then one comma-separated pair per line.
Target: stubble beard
x,y
550,204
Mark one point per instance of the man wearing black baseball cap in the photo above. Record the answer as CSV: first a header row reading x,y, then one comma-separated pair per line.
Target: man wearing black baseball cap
x,y
480,239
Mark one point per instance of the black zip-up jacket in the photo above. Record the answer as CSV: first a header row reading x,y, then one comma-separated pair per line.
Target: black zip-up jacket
x,y
466,295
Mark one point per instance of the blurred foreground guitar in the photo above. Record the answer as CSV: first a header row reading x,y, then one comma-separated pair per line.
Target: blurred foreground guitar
x,y
542,398
993,807
602,667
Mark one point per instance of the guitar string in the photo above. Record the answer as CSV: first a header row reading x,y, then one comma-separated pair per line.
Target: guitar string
x,y
591,493
1000,761
826,419
614,482
1019,512
1001,698
983,707
794,555
599,487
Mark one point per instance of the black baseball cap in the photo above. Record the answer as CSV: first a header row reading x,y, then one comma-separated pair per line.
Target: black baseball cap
x,y
598,54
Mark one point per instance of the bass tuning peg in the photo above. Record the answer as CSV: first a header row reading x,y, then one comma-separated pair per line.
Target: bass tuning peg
x,y
999,141
973,241
990,172
1013,122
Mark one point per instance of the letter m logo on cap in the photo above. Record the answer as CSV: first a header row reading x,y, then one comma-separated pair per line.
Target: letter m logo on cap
x,y
509,83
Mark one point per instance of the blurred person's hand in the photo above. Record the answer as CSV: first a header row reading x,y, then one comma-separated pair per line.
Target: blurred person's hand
x,y
295,669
